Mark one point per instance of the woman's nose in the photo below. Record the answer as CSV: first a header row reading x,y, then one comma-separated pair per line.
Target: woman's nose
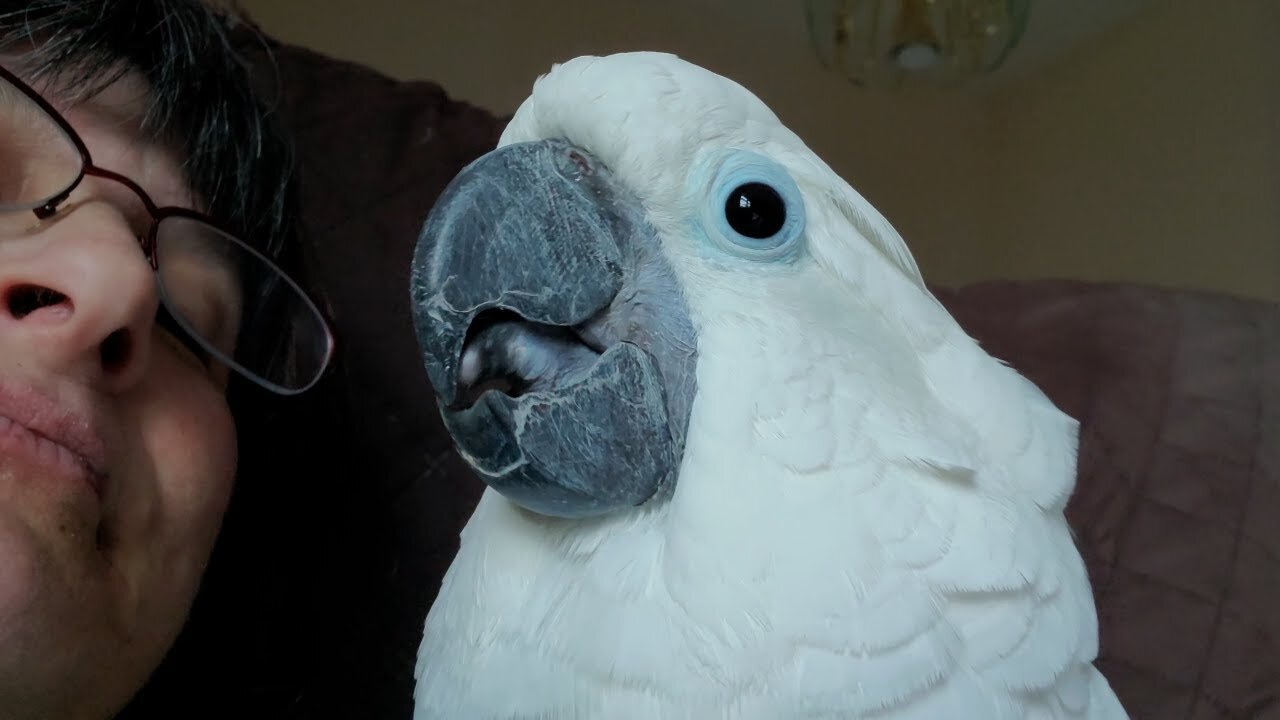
x,y
79,299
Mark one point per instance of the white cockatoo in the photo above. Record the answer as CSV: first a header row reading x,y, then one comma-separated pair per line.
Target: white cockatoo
x,y
740,462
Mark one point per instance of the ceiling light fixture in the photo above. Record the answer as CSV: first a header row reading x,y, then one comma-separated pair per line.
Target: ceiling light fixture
x,y
892,43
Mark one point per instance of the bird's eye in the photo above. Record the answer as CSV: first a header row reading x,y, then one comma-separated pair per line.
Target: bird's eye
x,y
753,207
755,210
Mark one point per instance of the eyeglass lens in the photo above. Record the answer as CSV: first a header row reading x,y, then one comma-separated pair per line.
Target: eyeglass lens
x,y
232,300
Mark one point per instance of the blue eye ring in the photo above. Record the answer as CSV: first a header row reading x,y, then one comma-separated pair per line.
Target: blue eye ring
x,y
740,206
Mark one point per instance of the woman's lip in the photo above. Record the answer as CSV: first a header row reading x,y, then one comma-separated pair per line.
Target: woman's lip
x,y
34,448
62,431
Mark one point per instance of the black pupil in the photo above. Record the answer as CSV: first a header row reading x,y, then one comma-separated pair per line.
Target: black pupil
x,y
755,210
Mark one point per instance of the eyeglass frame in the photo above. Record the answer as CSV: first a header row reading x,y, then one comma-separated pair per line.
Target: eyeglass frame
x,y
148,243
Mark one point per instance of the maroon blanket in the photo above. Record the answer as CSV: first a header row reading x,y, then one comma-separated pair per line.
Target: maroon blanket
x,y
1177,507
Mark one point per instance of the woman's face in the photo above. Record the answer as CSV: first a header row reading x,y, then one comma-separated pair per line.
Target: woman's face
x,y
117,448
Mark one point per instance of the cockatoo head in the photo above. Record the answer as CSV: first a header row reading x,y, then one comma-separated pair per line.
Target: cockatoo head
x,y
642,220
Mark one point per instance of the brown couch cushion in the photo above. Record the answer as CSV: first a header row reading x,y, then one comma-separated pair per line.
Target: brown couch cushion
x,y
1178,395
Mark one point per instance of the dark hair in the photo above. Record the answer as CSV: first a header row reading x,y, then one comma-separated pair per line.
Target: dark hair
x,y
202,100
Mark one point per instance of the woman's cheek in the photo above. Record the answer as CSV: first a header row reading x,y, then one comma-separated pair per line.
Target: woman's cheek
x,y
192,440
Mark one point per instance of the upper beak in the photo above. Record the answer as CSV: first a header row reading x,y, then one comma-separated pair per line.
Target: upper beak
x,y
520,281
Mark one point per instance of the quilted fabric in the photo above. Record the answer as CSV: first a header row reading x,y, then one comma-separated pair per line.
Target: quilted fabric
x,y
1178,496
374,155
316,600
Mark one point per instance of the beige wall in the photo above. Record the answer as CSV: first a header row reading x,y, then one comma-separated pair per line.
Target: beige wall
x,y
1154,156
1150,155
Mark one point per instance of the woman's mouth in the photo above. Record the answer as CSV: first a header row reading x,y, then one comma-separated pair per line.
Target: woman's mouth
x,y
48,454
57,436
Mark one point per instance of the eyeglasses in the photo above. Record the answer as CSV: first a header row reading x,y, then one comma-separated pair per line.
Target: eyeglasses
x,y
232,301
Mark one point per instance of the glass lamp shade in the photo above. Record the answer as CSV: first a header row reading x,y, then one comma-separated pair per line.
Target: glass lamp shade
x,y
895,43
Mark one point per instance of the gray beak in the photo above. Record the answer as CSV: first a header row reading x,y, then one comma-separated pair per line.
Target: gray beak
x,y
554,332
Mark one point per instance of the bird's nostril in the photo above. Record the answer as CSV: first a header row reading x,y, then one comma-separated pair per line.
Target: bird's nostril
x,y
114,351
22,300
